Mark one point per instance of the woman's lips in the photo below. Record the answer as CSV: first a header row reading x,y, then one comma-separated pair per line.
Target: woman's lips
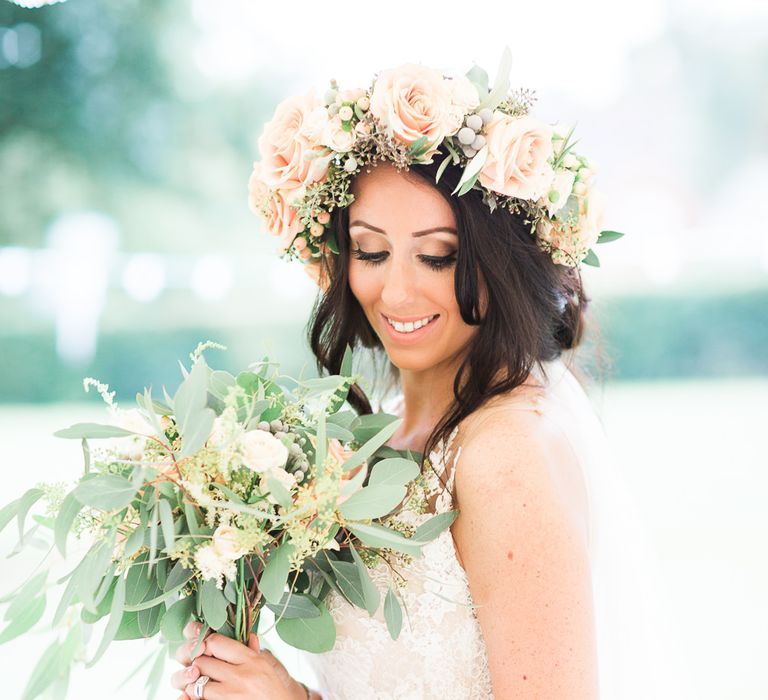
x,y
408,338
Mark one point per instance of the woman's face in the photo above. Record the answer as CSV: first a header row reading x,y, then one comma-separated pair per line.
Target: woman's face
x,y
403,244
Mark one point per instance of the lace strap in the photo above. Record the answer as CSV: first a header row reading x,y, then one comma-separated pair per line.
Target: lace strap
x,y
441,483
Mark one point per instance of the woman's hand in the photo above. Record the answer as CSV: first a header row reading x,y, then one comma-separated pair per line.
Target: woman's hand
x,y
236,671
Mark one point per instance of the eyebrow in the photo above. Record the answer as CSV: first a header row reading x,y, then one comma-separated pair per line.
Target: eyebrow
x,y
415,234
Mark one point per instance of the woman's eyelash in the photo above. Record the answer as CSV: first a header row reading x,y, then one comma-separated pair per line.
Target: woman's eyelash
x,y
436,262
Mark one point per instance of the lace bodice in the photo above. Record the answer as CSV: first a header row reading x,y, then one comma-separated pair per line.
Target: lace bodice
x,y
440,651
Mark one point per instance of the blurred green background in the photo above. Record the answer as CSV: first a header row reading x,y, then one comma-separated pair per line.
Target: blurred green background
x,y
128,130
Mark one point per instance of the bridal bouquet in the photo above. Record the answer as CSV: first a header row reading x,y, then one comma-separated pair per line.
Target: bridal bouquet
x,y
232,495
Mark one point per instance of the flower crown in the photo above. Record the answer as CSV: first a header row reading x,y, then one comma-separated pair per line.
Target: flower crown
x,y
312,149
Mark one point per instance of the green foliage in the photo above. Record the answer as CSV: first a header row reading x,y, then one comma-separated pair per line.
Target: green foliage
x,y
316,634
393,615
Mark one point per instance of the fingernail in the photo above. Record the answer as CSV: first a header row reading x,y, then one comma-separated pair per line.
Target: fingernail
x,y
191,671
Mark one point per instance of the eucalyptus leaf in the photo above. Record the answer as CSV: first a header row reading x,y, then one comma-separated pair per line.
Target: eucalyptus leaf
x,y
129,626
178,615
214,605
394,471
29,499
105,492
344,419
178,577
336,431
135,541
479,77
150,620
93,431
314,634
8,513
294,605
113,624
321,446
24,619
152,684
45,672
501,86
275,575
97,561
370,592
70,507
591,259
372,502
608,236
366,426
196,432
138,582
190,515
429,530
348,580
393,615
166,522
320,385
375,535
24,594
473,168
371,445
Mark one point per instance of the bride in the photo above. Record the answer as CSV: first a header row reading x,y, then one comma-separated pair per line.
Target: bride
x,y
532,592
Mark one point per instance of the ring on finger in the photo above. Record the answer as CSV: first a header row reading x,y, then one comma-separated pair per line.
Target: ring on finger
x,y
199,685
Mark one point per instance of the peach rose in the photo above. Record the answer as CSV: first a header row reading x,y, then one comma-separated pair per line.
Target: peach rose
x,y
591,217
569,244
518,151
336,138
224,543
413,101
285,140
274,208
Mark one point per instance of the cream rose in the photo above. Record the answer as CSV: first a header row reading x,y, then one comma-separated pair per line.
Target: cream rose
x,y
262,451
336,138
464,99
413,101
285,140
518,151
225,543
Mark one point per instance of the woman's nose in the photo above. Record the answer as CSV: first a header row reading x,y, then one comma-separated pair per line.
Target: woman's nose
x,y
398,286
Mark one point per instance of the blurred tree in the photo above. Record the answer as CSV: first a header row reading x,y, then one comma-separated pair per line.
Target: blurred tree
x,y
92,115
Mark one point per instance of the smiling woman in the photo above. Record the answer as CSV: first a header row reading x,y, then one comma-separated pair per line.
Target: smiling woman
x,y
410,253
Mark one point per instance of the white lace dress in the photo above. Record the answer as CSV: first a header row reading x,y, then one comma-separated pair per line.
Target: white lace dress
x,y
440,652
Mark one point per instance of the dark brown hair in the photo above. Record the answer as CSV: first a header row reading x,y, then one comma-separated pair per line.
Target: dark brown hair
x,y
534,312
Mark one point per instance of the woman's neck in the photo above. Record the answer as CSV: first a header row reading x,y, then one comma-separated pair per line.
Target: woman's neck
x,y
427,396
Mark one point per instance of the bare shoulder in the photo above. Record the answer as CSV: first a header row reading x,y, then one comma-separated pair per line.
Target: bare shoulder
x,y
521,540
514,451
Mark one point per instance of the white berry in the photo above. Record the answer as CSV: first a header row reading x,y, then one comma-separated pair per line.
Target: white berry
x,y
469,152
486,114
350,165
474,122
479,142
466,135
